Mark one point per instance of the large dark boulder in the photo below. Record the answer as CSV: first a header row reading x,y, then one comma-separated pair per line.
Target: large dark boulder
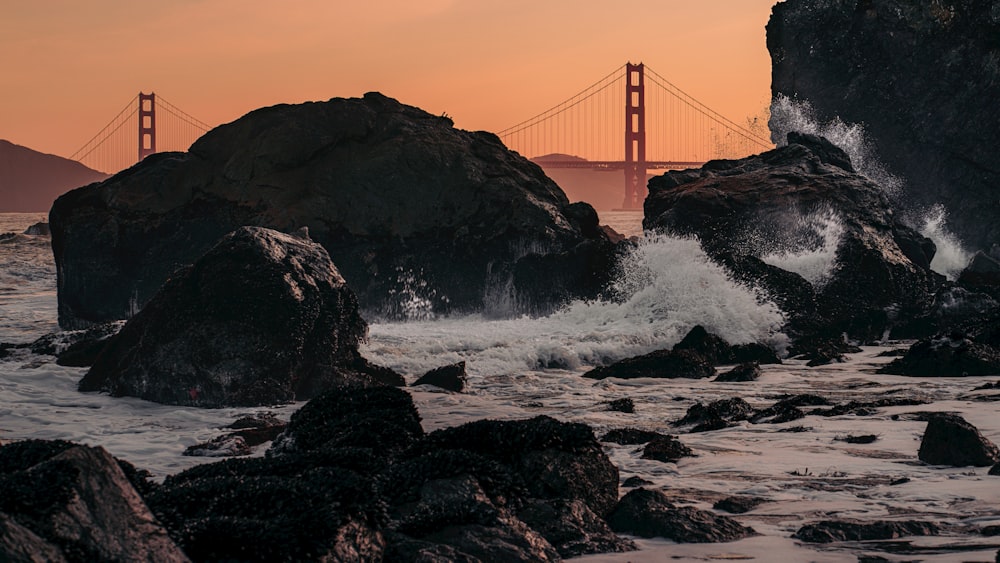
x,y
451,377
950,440
421,217
717,351
902,68
802,197
75,503
646,513
262,318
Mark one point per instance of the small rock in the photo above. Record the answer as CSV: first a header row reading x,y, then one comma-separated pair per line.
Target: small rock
x,y
661,363
624,404
667,449
451,377
950,440
829,531
749,371
630,436
726,410
40,229
852,439
648,514
738,505
636,481
222,446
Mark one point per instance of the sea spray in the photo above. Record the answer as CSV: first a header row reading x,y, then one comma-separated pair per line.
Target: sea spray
x,y
950,258
808,246
789,115
667,285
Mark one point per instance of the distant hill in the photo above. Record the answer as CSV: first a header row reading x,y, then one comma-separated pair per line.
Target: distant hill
x,y
30,181
605,190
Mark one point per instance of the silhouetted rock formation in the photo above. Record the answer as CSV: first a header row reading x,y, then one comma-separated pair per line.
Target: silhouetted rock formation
x,y
950,440
261,318
743,210
30,181
421,217
902,68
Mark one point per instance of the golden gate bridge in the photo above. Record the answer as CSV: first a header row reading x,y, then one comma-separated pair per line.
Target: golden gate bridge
x,y
663,126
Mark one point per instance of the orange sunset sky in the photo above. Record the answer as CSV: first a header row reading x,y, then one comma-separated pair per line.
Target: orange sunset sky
x,y
69,66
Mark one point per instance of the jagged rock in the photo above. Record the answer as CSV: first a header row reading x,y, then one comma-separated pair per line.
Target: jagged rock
x,y
822,351
738,505
262,318
87,509
951,355
787,410
624,404
648,514
554,460
900,67
950,440
422,218
40,229
983,272
572,528
828,531
661,363
667,449
20,545
749,371
380,418
306,507
451,377
715,415
717,351
630,436
759,206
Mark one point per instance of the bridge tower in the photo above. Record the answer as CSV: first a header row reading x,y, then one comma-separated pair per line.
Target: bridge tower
x,y
635,136
147,125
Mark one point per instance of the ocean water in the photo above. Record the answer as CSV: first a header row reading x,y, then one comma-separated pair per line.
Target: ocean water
x,y
522,367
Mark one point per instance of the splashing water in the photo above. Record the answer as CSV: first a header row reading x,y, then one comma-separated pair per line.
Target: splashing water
x,y
950,258
810,246
667,286
789,115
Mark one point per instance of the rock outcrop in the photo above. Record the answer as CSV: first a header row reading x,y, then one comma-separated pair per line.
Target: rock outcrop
x,y
752,214
647,513
262,318
952,355
61,501
902,68
420,217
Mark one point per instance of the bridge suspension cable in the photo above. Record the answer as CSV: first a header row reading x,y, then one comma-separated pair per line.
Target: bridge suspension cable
x,y
117,146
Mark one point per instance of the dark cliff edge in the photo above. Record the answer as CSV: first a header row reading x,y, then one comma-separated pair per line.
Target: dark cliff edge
x,y
922,77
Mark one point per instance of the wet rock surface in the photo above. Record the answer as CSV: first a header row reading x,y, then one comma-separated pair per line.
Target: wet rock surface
x,y
667,449
451,377
422,218
661,363
749,371
900,68
950,440
744,210
953,355
216,336
74,503
829,531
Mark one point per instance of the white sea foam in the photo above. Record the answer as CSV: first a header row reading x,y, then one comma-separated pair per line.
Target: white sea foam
x,y
789,115
951,258
666,286
808,246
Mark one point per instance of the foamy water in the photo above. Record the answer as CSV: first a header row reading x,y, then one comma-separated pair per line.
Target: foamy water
x,y
810,247
951,257
803,476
